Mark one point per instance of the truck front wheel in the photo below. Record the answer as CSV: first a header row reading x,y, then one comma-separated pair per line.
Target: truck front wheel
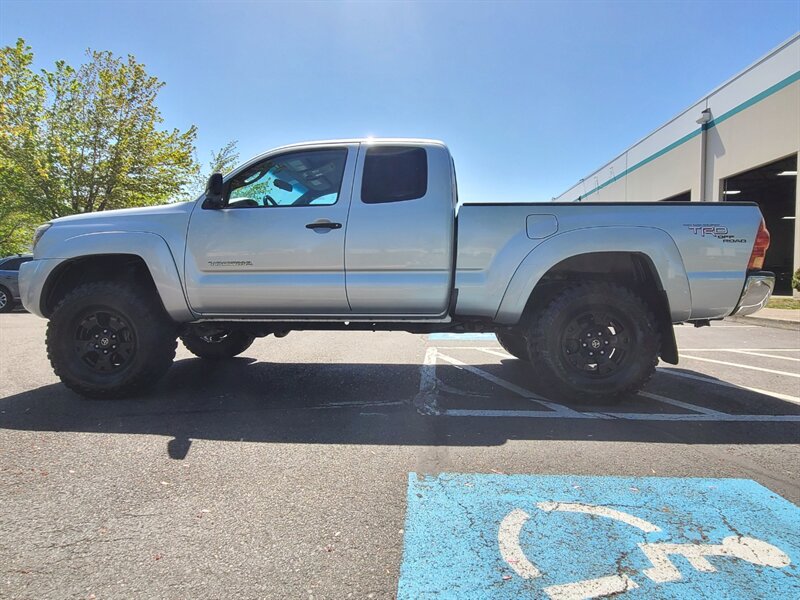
x,y
594,341
107,340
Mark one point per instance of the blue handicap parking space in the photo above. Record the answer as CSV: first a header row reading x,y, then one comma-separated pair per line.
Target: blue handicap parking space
x,y
568,538
468,337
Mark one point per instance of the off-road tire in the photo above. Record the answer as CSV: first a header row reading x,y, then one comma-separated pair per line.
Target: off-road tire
x,y
234,342
153,339
513,343
551,342
8,305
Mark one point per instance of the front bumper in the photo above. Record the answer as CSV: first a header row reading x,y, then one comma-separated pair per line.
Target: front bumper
x,y
757,291
32,276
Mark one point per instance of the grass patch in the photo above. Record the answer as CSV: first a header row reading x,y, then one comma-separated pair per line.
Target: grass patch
x,y
790,303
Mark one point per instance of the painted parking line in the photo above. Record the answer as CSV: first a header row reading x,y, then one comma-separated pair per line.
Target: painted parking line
x,y
786,397
427,401
566,538
778,395
747,350
462,336
753,353
741,366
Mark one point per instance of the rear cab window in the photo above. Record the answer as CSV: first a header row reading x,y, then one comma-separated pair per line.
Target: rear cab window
x,y
394,174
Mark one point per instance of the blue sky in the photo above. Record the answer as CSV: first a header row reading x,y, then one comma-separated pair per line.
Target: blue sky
x,y
529,96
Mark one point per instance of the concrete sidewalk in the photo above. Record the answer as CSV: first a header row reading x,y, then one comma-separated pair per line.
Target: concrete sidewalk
x,y
782,318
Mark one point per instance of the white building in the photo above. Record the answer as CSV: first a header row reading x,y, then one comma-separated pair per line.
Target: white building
x,y
738,143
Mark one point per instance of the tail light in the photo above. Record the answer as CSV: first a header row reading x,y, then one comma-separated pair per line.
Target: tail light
x,y
759,248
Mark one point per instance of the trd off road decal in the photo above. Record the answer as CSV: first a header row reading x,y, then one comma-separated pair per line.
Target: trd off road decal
x,y
714,230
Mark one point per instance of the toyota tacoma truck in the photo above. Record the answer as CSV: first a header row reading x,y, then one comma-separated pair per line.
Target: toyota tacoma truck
x,y
370,235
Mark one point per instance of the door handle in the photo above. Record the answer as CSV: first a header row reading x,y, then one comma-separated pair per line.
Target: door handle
x,y
323,225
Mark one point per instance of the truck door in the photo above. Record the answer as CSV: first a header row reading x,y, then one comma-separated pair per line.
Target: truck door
x,y
400,232
277,248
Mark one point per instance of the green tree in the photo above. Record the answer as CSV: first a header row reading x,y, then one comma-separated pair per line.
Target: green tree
x,y
22,98
222,161
83,139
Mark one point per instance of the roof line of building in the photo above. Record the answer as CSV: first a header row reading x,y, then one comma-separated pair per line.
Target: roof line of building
x,y
694,133
704,98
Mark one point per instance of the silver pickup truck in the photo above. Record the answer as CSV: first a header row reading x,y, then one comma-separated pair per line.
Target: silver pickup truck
x,y
370,235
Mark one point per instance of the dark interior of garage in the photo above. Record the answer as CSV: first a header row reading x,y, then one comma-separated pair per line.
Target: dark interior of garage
x,y
773,187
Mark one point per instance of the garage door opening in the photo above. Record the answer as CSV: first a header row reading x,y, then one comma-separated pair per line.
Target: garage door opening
x,y
773,187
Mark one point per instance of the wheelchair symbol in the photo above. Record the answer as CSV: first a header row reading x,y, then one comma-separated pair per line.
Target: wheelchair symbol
x,y
663,569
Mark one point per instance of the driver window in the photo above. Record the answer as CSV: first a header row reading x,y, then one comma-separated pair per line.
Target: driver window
x,y
307,178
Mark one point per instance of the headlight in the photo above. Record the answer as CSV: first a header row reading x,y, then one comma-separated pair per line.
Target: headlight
x,y
37,235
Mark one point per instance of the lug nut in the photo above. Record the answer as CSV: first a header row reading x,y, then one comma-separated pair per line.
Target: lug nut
x,y
591,353
105,351
96,336
584,345
97,347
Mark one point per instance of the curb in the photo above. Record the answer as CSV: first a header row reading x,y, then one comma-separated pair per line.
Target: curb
x,y
764,322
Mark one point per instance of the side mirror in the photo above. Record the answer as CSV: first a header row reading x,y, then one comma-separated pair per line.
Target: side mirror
x,y
214,192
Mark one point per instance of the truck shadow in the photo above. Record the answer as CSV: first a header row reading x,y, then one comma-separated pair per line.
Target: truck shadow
x,y
245,400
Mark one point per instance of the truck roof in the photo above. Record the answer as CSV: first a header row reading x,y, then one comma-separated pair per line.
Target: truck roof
x,y
363,140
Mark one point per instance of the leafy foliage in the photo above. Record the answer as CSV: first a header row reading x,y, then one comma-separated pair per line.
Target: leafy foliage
x,y
76,140
222,161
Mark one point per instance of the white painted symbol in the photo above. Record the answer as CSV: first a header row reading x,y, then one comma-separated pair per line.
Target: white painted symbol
x,y
744,548
510,550
663,570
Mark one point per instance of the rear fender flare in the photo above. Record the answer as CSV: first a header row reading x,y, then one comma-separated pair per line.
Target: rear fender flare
x,y
654,243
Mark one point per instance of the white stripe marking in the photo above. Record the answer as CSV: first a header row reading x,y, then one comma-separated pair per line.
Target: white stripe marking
x,y
527,394
599,511
743,350
539,414
510,550
591,588
778,395
741,366
489,377
493,352
751,353
679,404
425,401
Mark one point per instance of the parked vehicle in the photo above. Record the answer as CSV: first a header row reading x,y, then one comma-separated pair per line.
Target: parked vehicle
x,y
9,275
369,235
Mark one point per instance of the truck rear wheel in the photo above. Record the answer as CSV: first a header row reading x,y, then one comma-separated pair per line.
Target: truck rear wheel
x,y
223,344
514,344
595,341
107,340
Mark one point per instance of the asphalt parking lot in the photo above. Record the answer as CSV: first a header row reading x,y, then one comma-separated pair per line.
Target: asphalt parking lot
x,y
284,473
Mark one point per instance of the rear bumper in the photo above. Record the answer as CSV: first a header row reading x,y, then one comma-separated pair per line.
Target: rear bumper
x,y
757,291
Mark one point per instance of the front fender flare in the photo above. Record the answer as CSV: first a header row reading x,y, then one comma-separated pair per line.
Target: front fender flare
x,y
150,247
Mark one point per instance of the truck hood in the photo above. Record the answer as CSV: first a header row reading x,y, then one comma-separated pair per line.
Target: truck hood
x,y
123,218
169,222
